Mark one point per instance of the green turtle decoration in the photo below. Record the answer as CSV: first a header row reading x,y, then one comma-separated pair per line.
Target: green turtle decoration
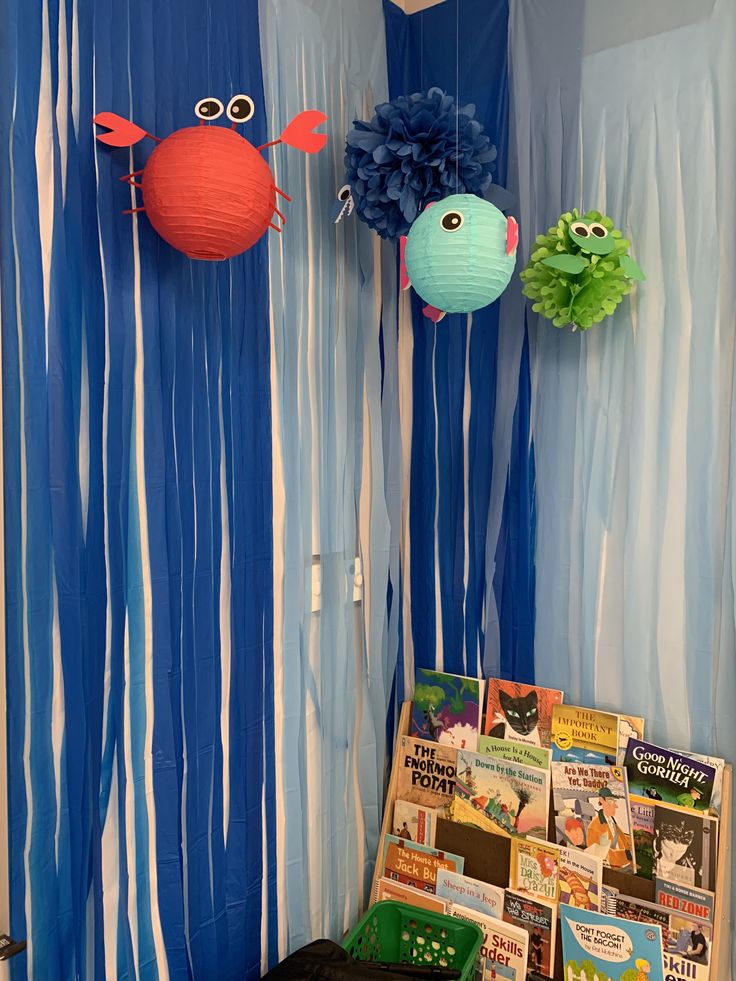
x,y
580,270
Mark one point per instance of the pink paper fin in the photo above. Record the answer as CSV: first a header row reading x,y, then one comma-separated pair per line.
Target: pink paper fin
x,y
122,131
299,133
433,313
404,281
512,235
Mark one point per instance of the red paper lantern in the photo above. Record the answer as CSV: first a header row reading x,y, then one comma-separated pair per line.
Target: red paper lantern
x,y
207,191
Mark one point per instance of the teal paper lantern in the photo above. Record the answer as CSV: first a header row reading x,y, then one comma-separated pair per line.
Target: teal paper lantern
x,y
459,255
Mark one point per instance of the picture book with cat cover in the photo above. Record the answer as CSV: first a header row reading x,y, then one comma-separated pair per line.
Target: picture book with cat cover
x,y
446,708
583,735
477,895
534,868
503,953
520,713
412,822
397,892
581,879
507,749
539,919
592,813
642,828
659,774
685,846
495,795
609,948
416,865
426,772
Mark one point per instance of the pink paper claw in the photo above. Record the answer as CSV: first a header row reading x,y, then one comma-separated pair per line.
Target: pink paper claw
x,y
300,131
512,235
122,131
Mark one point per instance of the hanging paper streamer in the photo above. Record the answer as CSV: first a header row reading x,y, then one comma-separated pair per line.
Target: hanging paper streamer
x,y
580,270
459,255
416,149
206,190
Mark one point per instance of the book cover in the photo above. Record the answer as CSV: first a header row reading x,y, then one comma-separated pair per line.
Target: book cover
x,y
519,713
642,828
629,727
399,893
503,953
446,708
534,868
718,765
609,948
480,896
684,847
506,798
581,879
583,735
684,900
592,812
426,772
416,865
507,749
412,822
539,919
659,774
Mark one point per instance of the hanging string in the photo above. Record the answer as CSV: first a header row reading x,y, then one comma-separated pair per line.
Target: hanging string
x,y
457,93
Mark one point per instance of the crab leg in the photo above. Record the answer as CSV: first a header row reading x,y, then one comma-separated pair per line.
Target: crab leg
x,y
265,146
282,193
282,217
275,227
133,211
128,178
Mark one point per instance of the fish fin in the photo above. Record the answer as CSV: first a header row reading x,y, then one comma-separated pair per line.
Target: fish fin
x,y
433,314
512,235
404,281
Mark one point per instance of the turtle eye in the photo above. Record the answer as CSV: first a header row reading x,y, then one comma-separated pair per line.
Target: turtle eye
x,y
344,193
600,231
240,108
452,220
209,108
580,229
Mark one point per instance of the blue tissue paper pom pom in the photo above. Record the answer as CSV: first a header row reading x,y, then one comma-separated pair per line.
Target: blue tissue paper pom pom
x,y
416,149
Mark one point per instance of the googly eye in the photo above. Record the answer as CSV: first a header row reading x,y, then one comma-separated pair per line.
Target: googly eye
x,y
240,109
580,229
452,220
344,193
600,231
209,108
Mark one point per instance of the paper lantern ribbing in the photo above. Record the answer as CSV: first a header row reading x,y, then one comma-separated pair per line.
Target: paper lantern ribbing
x,y
207,191
580,270
459,255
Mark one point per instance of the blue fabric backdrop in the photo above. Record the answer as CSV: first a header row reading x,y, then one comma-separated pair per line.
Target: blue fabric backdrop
x,y
468,552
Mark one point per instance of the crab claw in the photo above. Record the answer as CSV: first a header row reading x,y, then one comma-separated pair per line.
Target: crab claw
x,y
122,131
299,133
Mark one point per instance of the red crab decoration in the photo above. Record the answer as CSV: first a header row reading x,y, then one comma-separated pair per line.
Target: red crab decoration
x,y
207,191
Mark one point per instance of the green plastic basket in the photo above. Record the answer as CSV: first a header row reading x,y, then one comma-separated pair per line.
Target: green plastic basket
x,y
404,934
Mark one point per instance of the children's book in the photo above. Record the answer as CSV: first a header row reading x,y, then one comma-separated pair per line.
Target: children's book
x,y
503,954
629,727
659,774
480,896
592,812
446,708
414,823
520,713
539,919
583,735
507,749
685,846
642,828
426,772
534,868
581,879
416,865
506,798
595,945
399,893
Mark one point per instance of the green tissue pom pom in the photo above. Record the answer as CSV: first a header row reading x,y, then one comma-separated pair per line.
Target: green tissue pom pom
x,y
575,281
